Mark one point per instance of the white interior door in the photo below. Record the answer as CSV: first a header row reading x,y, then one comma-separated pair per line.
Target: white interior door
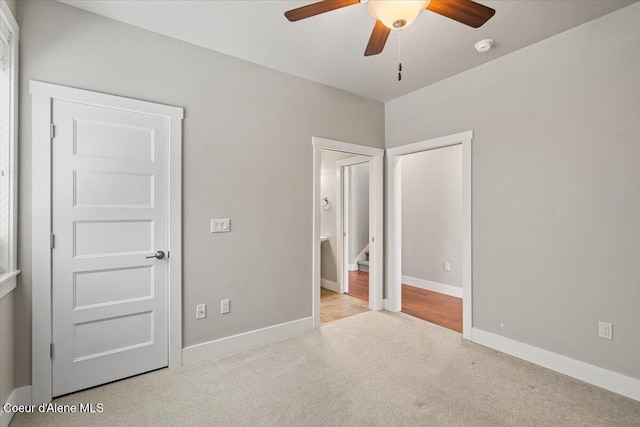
x,y
109,214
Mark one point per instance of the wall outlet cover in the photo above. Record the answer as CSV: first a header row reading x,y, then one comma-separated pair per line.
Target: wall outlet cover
x,y
201,311
225,306
605,330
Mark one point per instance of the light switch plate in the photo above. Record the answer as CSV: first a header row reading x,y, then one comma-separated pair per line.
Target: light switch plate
x,y
221,225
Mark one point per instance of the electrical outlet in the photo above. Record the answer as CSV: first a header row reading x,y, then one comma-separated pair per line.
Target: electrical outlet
x,y
605,330
447,266
201,311
225,306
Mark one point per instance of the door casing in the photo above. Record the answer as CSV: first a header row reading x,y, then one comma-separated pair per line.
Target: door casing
x,y
376,237
43,95
394,222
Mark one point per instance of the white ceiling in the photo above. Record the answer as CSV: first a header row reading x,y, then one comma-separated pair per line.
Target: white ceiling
x,y
329,48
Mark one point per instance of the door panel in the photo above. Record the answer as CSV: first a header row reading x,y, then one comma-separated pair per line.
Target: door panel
x,y
122,189
104,287
104,237
110,187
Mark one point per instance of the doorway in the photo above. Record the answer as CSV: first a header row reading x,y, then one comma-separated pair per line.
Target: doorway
x,y
332,160
395,215
353,226
432,235
344,229
106,238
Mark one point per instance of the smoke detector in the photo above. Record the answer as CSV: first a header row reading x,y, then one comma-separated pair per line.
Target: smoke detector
x,y
484,45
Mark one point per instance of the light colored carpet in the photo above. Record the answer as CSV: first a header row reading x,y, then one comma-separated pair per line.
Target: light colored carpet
x,y
372,369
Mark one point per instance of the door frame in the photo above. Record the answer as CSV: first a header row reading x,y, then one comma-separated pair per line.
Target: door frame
x,y
342,225
394,222
376,237
43,95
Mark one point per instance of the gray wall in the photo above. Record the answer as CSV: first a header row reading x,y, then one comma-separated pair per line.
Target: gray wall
x,y
329,188
358,209
556,186
432,215
247,156
12,6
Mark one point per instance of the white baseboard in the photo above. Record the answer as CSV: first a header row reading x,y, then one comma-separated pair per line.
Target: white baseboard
x,y
328,284
386,305
612,381
441,288
214,348
19,396
353,267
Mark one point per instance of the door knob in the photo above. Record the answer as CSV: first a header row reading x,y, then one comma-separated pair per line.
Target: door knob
x,y
157,255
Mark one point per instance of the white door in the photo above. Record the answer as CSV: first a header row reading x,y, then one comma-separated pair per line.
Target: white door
x,y
109,215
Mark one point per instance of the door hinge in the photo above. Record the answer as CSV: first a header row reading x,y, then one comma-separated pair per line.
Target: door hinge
x,y
52,241
51,350
52,131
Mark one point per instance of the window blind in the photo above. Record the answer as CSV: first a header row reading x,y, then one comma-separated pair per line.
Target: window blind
x,y
6,119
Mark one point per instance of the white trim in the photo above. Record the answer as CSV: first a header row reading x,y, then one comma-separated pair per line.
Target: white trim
x,y
245,340
394,218
376,237
331,285
600,377
362,256
346,147
7,282
355,160
430,144
43,95
353,267
19,396
428,285
342,227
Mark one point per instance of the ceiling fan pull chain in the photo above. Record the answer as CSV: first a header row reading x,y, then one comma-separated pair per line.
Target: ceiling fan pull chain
x,y
399,57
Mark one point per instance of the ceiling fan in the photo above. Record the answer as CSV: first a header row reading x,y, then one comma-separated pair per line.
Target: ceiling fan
x,y
397,14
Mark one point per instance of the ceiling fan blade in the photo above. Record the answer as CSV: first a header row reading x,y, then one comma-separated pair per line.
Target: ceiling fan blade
x,y
317,8
377,40
467,12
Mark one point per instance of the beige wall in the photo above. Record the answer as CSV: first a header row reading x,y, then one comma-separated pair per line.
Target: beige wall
x,y
432,215
247,156
556,186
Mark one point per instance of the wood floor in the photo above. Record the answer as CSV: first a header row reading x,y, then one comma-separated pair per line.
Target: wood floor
x,y
334,306
359,285
443,310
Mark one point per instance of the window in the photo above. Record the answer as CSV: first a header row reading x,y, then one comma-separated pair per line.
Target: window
x,y
8,138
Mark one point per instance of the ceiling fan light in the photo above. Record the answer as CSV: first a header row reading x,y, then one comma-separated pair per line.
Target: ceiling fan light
x,y
396,14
